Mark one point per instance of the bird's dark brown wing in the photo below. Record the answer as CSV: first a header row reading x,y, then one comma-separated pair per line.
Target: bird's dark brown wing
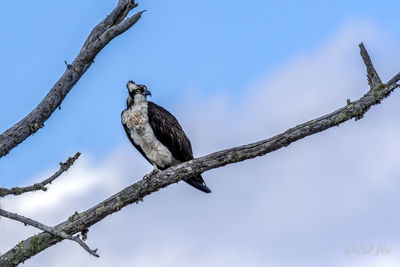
x,y
133,143
169,132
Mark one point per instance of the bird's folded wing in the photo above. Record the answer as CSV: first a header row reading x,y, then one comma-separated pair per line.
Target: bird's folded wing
x,y
169,132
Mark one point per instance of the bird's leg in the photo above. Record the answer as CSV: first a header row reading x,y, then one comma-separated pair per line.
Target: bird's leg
x,y
154,171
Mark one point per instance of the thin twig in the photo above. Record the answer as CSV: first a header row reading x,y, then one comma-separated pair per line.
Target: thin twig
x,y
42,185
136,192
48,229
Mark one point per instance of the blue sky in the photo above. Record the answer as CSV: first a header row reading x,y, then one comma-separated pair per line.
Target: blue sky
x,y
232,72
212,47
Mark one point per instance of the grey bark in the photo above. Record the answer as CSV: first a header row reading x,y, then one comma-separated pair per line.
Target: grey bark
x,y
373,78
154,182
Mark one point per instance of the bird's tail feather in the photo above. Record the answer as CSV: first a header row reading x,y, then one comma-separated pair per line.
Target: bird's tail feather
x,y
198,182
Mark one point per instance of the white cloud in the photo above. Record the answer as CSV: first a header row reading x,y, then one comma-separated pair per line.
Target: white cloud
x,y
299,206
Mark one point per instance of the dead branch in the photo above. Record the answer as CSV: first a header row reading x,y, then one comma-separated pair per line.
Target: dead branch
x,y
109,28
136,192
61,235
372,75
64,166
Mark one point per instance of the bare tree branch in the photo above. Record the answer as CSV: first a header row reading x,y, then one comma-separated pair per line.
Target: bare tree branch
x,y
48,229
154,182
42,185
112,26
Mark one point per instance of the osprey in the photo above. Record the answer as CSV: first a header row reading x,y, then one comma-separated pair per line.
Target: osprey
x,y
156,133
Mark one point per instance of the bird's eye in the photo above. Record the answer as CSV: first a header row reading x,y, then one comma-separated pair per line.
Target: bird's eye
x,y
138,91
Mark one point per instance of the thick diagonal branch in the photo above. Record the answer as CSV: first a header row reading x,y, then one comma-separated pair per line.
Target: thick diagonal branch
x,y
112,26
137,191
48,229
64,166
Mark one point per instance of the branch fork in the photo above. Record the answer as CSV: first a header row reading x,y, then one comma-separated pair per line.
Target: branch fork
x,y
48,229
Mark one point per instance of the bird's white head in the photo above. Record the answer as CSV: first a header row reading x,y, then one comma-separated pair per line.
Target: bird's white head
x,y
137,92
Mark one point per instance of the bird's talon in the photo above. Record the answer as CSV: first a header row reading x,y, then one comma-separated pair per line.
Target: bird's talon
x,y
153,172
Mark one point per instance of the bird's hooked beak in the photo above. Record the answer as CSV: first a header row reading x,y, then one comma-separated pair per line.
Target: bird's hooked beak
x,y
146,92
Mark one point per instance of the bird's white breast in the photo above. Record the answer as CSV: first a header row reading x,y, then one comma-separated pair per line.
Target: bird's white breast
x,y
137,120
